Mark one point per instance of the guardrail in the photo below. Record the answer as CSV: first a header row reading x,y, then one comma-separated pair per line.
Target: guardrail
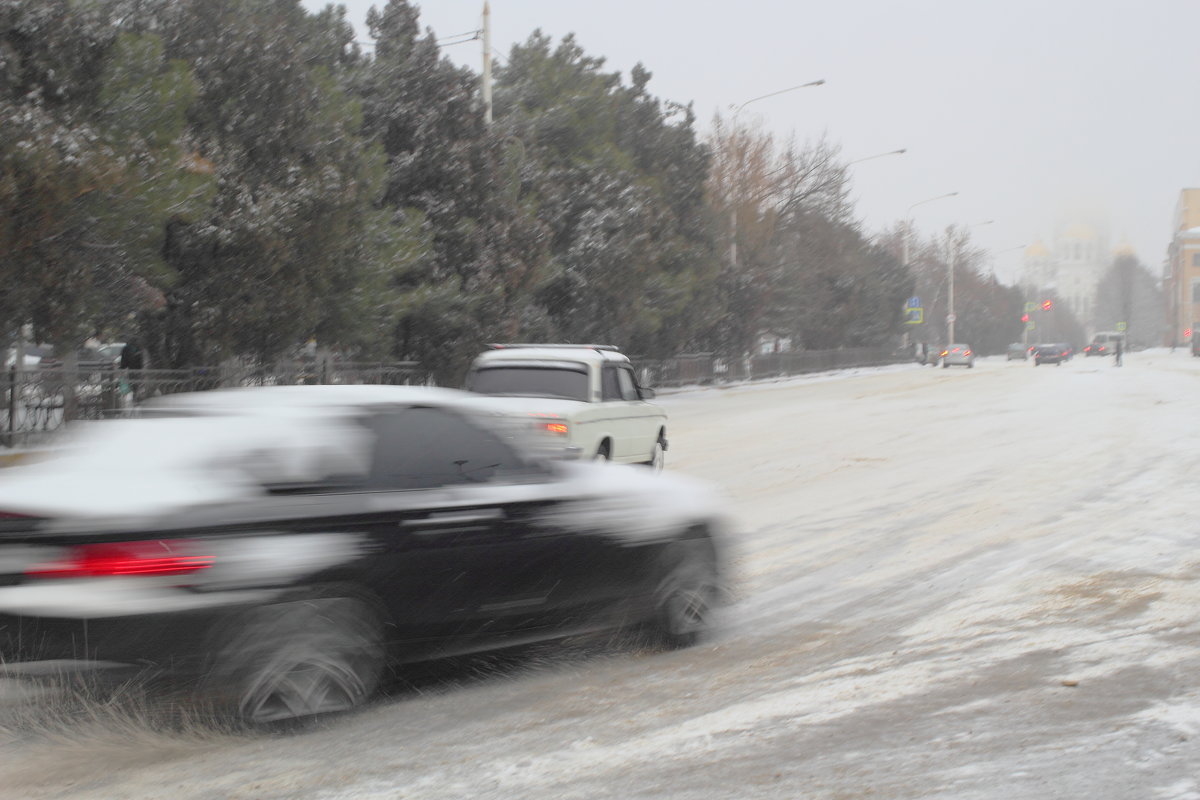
x,y
38,402
707,368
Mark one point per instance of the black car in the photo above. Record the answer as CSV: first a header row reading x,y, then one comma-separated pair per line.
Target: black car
x,y
275,548
1054,353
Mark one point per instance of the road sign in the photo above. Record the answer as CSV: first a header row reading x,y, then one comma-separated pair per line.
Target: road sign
x,y
1031,325
1121,326
914,316
1030,307
951,318
913,302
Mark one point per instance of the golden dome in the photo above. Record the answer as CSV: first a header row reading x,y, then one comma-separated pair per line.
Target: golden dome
x,y
1124,249
1036,250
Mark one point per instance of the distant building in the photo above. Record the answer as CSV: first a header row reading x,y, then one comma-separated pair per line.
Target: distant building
x,y
1071,267
1181,278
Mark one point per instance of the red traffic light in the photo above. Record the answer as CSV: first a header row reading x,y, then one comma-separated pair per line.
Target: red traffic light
x,y
1187,334
1047,305
1024,318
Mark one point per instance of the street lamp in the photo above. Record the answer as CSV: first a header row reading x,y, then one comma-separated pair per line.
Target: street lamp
x,y
950,276
908,219
737,109
901,151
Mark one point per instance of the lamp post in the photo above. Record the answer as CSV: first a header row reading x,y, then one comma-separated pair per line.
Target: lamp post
x,y
901,151
908,219
737,109
950,318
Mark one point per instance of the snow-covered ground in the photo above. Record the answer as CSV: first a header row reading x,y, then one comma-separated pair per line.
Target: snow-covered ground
x,y
950,583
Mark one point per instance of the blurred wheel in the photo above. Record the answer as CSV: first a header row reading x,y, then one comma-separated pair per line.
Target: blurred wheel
x,y
603,453
686,595
299,659
658,456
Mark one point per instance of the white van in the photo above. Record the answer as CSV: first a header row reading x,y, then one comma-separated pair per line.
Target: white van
x,y
1104,343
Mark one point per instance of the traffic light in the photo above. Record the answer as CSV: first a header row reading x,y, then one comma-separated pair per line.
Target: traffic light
x,y
1047,305
1187,334
1024,318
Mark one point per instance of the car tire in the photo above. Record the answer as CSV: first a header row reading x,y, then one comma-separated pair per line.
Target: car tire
x,y
686,595
603,453
297,659
658,456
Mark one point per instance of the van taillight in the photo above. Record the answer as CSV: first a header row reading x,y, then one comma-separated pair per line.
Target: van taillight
x,y
154,557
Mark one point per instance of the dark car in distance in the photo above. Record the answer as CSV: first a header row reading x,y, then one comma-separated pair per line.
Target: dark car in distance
x,y
1017,351
272,549
1052,353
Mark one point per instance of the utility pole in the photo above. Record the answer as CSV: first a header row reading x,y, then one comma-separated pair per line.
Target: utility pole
x,y
487,63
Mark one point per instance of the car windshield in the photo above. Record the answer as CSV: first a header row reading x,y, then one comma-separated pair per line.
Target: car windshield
x,y
565,381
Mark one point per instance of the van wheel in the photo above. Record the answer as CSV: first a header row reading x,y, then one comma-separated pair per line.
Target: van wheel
x,y
604,453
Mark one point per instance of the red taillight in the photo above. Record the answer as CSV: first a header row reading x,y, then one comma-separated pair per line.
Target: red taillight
x,y
966,352
156,557
559,428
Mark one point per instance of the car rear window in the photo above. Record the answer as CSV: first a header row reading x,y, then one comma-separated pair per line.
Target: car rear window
x,y
567,381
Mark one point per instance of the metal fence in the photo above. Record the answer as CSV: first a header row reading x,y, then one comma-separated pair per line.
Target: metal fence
x,y
41,401
700,369
38,402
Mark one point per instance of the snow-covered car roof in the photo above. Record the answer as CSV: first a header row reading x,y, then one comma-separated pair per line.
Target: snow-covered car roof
x,y
591,354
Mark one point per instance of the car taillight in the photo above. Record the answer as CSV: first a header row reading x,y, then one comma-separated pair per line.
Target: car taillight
x,y
155,558
557,428
966,352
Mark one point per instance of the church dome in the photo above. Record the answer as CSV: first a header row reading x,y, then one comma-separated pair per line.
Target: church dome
x,y
1037,250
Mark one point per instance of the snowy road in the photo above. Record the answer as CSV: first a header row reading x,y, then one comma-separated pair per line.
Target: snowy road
x,y
950,584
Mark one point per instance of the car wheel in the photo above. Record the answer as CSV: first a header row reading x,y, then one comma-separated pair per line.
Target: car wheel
x,y
686,595
297,659
658,456
604,453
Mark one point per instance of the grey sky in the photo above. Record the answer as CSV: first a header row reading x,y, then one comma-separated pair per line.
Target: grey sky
x,y
1035,111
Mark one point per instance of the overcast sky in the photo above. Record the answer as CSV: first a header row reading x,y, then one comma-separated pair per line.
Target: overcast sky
x,y
1038,112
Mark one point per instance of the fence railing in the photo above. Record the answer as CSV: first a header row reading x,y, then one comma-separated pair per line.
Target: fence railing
x,y
706,368
40,401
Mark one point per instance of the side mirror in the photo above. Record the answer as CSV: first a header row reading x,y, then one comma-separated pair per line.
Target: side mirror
x,y
647,394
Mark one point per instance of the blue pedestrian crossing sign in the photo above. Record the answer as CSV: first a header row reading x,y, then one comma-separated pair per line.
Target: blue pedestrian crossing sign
x,y
913,302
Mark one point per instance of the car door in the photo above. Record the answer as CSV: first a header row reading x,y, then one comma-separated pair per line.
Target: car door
x,y
642,420
461,559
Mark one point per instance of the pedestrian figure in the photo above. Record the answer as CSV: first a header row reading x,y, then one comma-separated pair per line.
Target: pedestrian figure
x,y
1117,353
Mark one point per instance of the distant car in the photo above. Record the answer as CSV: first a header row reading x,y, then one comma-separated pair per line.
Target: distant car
x,y
1051,353
1104,343
283,544
1018,351
960,355
586,395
